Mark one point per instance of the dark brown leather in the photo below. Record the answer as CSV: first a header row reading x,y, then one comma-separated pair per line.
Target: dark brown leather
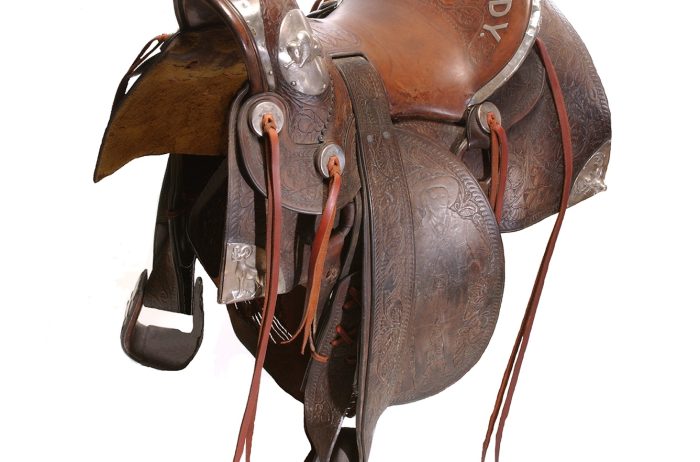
x,y
399,293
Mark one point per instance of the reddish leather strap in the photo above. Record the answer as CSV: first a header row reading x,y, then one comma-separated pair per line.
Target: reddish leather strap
x,y
499,165
147,51
272,246
495,167
510,377
319,250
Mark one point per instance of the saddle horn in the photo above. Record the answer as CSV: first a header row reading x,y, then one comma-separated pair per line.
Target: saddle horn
x,y
161,347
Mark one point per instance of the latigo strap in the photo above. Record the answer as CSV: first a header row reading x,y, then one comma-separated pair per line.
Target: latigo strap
x,y
389,242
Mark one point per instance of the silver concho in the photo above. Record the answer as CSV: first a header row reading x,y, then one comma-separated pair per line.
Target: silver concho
x,y
259,110
591,180
482,114
323,156
301,56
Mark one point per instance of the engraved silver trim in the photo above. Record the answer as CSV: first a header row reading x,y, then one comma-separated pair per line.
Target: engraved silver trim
x,y
252,14
262,108
300,55
591,180
323,156
241,280
516,61
244,274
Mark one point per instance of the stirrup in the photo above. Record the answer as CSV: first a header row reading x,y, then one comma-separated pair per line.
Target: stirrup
x,y
161,347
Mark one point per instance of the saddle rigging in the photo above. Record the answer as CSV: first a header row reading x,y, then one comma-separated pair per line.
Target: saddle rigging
x,y
346,190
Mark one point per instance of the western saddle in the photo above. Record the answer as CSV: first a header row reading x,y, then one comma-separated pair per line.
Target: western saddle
x,y
344,179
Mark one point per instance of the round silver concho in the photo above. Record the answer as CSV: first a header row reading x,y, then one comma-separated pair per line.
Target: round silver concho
x,y
482,115
262,108
324,155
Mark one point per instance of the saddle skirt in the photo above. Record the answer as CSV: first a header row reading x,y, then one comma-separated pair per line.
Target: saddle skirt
x,y
395,115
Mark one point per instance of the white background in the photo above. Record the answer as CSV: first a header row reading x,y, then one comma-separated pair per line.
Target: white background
x,y
612,369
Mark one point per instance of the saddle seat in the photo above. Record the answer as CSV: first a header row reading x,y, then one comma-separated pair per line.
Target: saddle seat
x,y
433,57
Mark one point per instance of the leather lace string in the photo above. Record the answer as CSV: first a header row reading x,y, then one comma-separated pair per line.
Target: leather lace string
x,y
319,250
147,51
272,245
499,165
512,372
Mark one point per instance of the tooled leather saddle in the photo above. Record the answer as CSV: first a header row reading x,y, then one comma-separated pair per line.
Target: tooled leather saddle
x,y
344,179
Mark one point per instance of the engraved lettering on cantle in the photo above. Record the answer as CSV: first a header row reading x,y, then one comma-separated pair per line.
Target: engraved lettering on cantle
x,y
499,21
498,9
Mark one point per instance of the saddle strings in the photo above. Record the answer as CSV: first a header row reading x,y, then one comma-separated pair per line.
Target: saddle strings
x,y
319,250
147,51
512,372
499,165
272,244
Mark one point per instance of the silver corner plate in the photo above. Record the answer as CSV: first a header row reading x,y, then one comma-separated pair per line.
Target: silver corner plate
x,y
243,278
591,180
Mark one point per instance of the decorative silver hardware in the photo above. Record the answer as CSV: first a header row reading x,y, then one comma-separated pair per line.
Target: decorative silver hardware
x,y
591,180
251,13
241,281
516,61
324,155
262,108
301,56
482,114
244,275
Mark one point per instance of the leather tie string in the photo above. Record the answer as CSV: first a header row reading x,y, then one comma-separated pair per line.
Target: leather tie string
x,y
147,51
272,246
499,165
512,372
319,250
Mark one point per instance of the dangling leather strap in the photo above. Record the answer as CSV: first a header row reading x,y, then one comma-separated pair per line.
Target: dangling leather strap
x,y
147,51
319,250
510,378
272,246
499,165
